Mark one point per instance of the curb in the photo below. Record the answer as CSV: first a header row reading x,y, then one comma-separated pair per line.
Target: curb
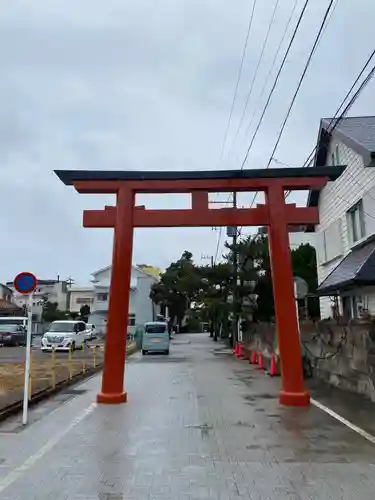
x,y
39,396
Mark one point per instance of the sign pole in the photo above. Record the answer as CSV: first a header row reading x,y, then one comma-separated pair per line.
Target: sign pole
x,y
27,362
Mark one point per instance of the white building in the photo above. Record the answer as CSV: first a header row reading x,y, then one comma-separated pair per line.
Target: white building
x,y
346,233
80,295
141,307
55,291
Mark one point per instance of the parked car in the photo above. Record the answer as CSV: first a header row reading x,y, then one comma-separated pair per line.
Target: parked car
x,y
64,335
156,337
12,335
90,332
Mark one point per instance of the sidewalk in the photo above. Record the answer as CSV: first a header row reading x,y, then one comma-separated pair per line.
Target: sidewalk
x,y
199,424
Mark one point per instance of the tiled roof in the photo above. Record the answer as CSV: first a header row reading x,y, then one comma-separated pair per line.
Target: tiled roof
x,y
8,306
357,268
356,132
360,129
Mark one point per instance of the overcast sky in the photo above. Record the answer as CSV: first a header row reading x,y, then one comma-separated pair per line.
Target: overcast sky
x,y
148,84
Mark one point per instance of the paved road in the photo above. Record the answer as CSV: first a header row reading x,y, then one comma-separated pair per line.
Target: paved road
x,y
199,424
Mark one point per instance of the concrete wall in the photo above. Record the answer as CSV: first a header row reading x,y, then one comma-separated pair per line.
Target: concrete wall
x,y
356,183
342,355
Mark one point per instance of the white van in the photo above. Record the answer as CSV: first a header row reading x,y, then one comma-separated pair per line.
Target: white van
x,y
14,320
64,335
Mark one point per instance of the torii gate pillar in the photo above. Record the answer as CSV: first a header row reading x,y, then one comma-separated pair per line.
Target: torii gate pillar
x,y
114,355
293,392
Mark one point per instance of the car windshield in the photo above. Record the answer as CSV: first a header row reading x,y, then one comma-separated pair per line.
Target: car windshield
x,y
10,328
161,328
9,321
62,327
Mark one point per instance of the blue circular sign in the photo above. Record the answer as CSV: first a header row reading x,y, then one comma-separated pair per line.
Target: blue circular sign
x,y
25,283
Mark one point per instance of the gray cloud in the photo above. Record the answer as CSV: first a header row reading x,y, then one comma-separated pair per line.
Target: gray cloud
x,y
146,85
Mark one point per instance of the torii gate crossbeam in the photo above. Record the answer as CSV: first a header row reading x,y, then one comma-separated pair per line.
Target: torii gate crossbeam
x,y
277,215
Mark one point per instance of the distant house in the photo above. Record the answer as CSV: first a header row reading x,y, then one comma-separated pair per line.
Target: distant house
x,y
346,233
141,307
7,306
54,290
80,295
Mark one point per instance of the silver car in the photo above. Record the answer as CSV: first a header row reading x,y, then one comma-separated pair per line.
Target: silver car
x,y
90,332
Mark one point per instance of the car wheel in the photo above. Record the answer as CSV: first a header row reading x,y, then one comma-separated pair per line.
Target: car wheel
x,y
167,352
144,352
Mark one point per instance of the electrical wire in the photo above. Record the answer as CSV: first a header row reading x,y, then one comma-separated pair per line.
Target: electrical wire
x,y
270,24
275,81
249,26
300,81
335,121
269,99
294,96
240,69
272,67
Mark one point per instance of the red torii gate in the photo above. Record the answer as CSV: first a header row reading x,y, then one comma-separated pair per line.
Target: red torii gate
x,y
275,213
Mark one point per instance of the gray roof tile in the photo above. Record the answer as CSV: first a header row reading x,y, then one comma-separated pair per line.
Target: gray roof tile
x,y
360,129
358,267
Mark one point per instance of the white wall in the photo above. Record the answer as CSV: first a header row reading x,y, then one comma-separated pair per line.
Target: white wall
x,y
140,303
80,297
335,200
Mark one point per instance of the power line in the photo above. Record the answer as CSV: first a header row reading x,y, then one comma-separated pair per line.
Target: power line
x,y
270,24
300,82
250,23
275,82
295,94
268,101
309,158
335,121
272,66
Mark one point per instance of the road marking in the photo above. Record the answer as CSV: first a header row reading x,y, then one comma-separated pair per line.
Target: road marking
x,y
343,420
48,446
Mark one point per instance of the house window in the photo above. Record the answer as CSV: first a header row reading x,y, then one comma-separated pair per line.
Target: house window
x,y
102,297
82,300
131,319
337,155
356,222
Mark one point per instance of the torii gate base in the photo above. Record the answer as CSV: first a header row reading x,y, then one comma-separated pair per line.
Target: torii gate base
x,y
275,214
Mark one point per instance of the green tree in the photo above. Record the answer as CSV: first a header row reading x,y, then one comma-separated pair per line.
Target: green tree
x,y
51,312
85,311
304,266
177,287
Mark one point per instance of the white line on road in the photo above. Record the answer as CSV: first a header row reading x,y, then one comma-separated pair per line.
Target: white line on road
x,y
343,420
48,446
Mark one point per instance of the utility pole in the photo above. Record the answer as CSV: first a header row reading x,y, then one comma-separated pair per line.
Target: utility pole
x,y
208,257
235,276
212,261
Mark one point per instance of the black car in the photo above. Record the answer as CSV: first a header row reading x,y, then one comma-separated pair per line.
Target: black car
x,y
12,335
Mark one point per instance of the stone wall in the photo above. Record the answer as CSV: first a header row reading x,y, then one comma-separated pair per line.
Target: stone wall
x,y
340,354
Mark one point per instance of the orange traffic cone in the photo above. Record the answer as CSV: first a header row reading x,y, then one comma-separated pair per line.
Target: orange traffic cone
x,y
260,361
273,368
253,359
239,352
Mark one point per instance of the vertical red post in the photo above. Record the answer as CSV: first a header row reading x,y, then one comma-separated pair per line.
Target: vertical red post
x,y
293,392
115,350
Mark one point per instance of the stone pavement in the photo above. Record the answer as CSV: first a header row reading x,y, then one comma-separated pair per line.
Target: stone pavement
x,y
199,425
